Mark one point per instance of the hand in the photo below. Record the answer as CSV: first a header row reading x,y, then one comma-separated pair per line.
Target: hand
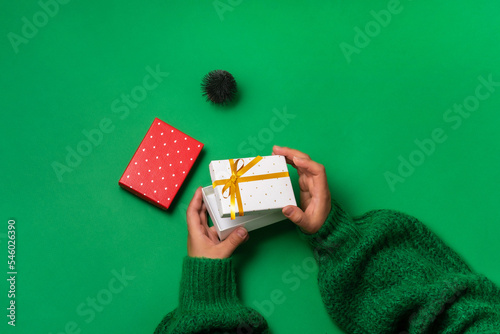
x,y
203,240
315,199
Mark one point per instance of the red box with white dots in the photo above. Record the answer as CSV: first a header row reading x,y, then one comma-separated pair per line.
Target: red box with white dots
x,y
160,164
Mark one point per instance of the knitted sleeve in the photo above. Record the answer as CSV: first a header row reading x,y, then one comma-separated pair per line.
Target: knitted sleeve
x,y
385,272
208,302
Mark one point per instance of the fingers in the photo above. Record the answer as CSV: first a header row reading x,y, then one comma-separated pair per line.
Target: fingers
x,y
295,214
236,238
289,153
309,165
196,202
193,213
301,161
213,234
203,215
316,170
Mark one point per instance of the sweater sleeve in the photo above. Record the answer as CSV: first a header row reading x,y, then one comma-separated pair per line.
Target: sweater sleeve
x,y
385,272
208,302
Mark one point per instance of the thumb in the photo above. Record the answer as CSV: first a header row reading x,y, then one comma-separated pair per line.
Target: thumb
x,y
236,238
295,214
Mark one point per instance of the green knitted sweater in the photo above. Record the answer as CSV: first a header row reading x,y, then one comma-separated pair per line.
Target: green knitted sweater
x,y
383,272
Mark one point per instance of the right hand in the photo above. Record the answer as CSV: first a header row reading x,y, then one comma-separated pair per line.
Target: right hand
x,y
315,199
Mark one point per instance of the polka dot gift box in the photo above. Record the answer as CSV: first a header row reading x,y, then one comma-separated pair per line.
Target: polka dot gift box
x,y
251,185
160,164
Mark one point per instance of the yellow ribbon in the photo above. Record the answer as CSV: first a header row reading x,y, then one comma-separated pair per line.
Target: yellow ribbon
x,y
231,184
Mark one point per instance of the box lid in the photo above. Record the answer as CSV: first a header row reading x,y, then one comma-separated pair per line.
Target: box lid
x,y
256,195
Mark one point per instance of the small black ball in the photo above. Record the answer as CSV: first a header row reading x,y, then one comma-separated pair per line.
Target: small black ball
x,y
219,86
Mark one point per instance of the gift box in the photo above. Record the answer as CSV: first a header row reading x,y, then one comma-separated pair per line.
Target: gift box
x,y
160,164
251,185
224,226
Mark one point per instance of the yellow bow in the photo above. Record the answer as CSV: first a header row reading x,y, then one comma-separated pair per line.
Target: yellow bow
x,y
231,184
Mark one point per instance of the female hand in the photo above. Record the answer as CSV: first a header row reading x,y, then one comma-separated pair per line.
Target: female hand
x,y
315,199
203,240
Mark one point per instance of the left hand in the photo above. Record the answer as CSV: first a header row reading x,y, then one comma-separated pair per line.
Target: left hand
x,y
203,240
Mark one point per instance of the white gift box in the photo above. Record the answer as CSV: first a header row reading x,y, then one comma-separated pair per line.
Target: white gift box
x,y
256,195
224,226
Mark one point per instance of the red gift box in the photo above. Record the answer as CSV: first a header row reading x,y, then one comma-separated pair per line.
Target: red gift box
x,y
160,164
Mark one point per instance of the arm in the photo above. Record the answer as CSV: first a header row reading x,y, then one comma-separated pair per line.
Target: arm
x,y
208,302
207,298
385,272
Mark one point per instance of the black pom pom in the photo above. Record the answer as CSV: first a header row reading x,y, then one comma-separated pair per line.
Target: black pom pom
x,y
219,86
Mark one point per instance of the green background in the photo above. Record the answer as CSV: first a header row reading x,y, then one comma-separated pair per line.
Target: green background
x,y
355,117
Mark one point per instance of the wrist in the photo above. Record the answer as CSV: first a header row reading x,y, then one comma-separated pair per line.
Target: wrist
x,y
202,252
336,230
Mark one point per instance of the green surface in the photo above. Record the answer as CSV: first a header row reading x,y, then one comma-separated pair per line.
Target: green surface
x,y
354,114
